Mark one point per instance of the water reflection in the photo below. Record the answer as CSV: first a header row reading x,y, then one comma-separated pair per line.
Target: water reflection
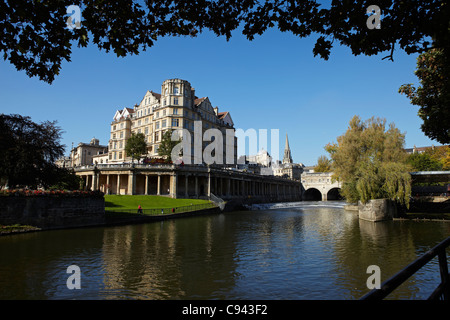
x,y
313,251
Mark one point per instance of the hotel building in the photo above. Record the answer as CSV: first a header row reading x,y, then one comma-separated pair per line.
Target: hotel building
x,y
176,107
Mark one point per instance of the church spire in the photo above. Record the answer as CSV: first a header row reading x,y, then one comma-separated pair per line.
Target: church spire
x,y
287,152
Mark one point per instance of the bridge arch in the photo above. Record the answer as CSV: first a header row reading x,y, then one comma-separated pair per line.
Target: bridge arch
x,y
334,194
312,194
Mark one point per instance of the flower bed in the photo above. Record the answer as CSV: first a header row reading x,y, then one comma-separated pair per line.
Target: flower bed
x,y
44,193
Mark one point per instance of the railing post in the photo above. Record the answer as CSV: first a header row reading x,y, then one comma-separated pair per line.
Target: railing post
x,y
443,267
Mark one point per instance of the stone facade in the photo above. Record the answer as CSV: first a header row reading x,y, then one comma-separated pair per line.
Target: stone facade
x,y
176,107
322,182
52,212
84,153
377,210
287,168
188,181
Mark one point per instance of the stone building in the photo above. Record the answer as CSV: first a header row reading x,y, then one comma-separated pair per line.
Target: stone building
x,y
84,153
287,168
176,107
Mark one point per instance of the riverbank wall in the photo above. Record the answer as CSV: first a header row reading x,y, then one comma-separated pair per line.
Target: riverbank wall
x,y
48,212
117,218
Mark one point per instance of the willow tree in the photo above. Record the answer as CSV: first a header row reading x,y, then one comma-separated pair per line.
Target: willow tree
x,y
370,161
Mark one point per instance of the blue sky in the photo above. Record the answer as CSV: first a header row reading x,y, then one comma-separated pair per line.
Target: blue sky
x,y
272,82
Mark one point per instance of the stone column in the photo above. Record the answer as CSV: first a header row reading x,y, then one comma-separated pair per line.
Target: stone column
x,y
94,181
158,185
146,185
186,185
131,183
107,184
118,183
173,192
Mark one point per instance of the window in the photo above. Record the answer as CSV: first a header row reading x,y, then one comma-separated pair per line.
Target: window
x,y
164,102
114,135
121,134
157,114
139,122
120,155
175,122
146,130
156,136
175,101
175,110
157,125
114,128
175,90
164,112
163,124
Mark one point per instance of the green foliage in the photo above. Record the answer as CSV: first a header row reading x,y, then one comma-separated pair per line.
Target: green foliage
x,y
136,146
370,162
166,145
423,162
433,94
29,151
323,164
35,37
67,180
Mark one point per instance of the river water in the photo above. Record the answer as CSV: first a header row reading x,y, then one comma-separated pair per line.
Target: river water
x,y
314,251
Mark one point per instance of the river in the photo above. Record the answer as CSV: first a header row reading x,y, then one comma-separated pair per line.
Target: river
x,y
316,251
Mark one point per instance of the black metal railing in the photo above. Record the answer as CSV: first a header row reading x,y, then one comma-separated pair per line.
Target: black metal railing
x,y
442,292
163,211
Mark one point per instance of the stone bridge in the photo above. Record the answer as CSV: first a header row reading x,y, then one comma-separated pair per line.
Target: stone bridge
x,y
320,186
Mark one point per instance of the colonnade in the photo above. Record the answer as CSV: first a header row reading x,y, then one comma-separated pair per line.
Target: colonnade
x,y
190,183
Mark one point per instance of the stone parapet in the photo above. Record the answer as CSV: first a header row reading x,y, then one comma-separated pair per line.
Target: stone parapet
x,y
49,212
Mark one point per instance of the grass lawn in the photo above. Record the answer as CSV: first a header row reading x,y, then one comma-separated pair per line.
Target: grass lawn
x,y
117,202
